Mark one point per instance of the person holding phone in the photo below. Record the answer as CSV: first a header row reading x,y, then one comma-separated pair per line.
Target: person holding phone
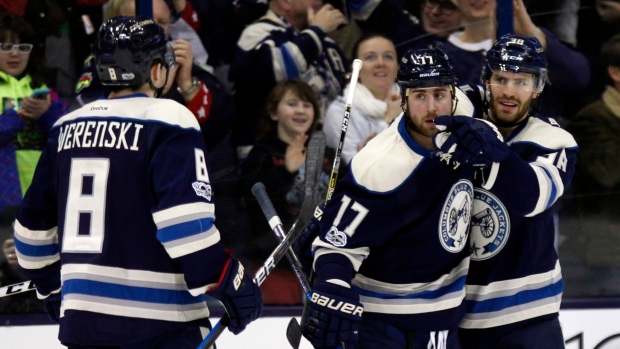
x,y
27,111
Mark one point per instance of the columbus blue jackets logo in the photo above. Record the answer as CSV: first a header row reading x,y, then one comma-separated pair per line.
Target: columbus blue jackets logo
x,y
455,215
490,226
202,189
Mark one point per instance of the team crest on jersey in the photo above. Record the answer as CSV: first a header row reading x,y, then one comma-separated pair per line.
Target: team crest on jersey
x,y
454,220
336,237
202,189
490,226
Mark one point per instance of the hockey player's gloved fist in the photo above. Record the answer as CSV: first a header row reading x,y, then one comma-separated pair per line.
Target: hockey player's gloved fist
x,y
303,243
52,306
239,294
470,140
334,314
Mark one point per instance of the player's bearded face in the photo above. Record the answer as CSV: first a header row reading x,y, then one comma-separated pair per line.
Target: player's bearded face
x,y
511,97
423,105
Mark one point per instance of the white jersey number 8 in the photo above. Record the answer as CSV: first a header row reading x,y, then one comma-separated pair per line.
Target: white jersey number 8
x,y
85,211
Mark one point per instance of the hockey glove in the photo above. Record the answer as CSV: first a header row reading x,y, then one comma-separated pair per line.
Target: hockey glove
x,y
52,306
239,294
303,244
334,314
470,140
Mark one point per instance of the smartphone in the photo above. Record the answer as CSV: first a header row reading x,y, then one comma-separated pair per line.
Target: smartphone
x,y
40,93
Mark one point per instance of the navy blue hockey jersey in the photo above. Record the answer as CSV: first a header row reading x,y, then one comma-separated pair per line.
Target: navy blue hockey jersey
x,y
401,218
515,274
121,198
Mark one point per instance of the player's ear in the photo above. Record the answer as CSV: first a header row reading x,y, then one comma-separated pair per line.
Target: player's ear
x,y
158,74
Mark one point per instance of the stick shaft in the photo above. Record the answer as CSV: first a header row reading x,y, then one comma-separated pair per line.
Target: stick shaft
x,y
357,65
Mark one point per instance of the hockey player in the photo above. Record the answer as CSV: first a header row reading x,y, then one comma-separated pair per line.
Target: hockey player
x,y
118,222
393,239
514,286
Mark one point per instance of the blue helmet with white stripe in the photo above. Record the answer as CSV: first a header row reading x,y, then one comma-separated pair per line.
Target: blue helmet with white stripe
x,y
424,68
517,54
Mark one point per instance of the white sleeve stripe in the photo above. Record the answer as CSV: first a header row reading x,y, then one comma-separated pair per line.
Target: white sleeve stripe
x,y
550,185
36,263
202,290
192,238
193,246
555,177
543,197
356,255
183,213
36,237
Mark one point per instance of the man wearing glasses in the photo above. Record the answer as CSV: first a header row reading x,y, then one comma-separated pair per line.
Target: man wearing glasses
x,y
440,18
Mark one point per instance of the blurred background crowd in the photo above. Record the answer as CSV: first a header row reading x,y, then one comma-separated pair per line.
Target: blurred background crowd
x,y
260,76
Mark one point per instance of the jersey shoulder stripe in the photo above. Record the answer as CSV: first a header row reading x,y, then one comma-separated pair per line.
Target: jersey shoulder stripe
x,y
389,152
139,108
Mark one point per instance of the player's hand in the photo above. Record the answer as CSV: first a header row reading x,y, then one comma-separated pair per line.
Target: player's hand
x,y
470,140
33,108
328,17
295,155
329,326
240,295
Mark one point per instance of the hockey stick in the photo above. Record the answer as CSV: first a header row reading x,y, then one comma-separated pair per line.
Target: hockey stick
x,y
293,331
314,163
357,66
275,223
276,255
16,288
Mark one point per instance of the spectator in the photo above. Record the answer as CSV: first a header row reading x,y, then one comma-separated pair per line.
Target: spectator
x,y
598,21
376,100
439,18
569,71
277,160
24,123
289,41
597,180
191,84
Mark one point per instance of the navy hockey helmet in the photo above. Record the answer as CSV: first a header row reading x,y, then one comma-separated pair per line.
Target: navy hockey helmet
x,y
517,54
126,49
424,68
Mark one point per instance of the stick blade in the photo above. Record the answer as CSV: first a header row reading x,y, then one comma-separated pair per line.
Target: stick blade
x,y
293,333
